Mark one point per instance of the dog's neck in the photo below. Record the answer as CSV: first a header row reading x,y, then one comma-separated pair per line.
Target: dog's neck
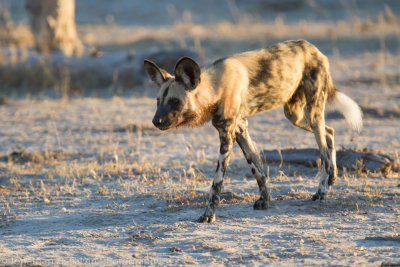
x,y
202,102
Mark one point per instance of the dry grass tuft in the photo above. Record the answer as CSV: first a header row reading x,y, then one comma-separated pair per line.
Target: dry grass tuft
x,y
246,28
194,198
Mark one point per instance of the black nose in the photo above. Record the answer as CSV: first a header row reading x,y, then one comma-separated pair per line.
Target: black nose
x,y
157,121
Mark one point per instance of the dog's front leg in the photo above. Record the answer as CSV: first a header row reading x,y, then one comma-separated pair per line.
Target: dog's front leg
x,y
227,137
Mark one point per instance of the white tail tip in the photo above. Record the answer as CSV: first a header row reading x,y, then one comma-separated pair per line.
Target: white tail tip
x,y
350,110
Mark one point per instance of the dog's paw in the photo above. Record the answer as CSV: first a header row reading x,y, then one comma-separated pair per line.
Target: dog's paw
x,y
206,219
319,195
261,204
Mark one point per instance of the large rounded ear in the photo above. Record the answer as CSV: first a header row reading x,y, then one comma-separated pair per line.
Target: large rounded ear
x,y
156,74
187,71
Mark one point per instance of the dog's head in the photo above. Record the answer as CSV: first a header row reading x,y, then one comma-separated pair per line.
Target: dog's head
x,y
174,97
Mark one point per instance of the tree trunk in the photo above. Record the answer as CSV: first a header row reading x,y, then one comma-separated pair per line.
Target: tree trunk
x,y
53,26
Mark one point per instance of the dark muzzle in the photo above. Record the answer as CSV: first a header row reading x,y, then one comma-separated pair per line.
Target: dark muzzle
x,y
160,120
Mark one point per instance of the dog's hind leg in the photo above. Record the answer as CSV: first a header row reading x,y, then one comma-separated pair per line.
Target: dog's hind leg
x,y
326,162
316,92
310,117
254,161
330,141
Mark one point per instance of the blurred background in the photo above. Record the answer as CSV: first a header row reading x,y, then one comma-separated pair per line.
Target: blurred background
x,y
64,48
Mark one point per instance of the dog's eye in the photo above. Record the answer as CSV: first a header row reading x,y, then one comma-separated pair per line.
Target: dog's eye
x,y
174,101
158,101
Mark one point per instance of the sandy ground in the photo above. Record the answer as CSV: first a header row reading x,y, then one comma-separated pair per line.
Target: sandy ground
x,y
91,181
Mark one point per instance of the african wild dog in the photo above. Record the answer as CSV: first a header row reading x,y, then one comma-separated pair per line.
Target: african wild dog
x,y
293,73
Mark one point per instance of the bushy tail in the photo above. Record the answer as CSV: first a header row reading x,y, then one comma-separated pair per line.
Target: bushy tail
x,y
349,108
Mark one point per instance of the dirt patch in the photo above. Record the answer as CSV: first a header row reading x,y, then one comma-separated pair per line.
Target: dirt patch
x,y
390,79
371,113
381,113
384,238
35,157
366,160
